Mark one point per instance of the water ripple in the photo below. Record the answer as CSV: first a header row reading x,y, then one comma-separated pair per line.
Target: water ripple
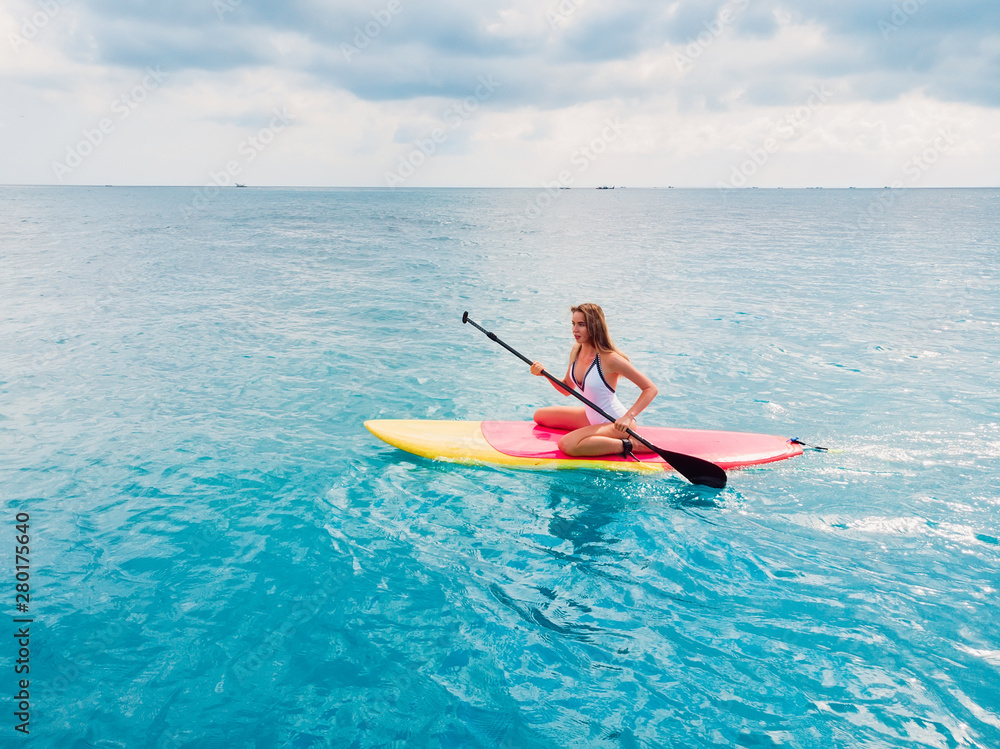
x,y
224,556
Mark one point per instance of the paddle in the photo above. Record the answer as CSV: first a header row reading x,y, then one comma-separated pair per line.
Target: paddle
x,y
695,470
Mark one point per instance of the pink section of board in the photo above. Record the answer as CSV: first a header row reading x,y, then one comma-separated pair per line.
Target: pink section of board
x,y
525,439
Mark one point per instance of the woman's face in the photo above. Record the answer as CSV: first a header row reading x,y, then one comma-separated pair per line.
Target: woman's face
x,y
580,328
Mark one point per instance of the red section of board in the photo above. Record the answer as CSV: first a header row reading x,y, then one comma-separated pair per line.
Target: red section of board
x,y
525,439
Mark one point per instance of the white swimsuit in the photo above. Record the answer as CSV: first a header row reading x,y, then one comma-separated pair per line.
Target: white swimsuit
x,y
597,390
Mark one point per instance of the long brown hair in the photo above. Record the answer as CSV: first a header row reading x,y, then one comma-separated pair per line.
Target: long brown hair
x,y
597,328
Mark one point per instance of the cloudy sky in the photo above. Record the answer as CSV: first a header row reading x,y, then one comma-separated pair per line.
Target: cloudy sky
x,y
696,93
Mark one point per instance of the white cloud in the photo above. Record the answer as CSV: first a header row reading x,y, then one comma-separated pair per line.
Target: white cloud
x,y
565,67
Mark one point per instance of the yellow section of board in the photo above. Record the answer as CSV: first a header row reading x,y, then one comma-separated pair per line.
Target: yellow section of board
x,y
463,442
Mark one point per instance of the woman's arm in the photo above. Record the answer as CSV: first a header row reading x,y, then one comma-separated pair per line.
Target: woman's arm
x,y
619,365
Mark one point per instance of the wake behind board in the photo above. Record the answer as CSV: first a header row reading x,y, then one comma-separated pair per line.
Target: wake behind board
x,y
524,444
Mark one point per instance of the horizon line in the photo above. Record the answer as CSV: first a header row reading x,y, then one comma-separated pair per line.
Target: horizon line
x,y
519,187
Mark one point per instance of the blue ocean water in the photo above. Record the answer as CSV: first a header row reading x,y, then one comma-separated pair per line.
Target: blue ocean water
x,y
222,556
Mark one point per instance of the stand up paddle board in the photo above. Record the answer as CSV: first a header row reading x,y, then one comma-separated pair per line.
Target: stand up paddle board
x,y
524,444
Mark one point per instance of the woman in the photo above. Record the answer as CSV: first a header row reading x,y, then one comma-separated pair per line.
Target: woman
x,y
595,365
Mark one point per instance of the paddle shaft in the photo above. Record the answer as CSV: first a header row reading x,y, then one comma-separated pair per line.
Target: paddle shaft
x,y
695,470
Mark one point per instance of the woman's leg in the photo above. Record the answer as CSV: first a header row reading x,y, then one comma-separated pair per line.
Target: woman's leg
x,y
561,417
597,439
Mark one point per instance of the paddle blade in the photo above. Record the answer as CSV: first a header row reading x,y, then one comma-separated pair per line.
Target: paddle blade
x,y
465,317
695,470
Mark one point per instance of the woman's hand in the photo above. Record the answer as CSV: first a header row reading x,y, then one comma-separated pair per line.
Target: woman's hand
x,y
624,423
536,369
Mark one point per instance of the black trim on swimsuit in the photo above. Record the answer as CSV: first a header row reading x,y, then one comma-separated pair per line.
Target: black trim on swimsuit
x,y
572,372
600,371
